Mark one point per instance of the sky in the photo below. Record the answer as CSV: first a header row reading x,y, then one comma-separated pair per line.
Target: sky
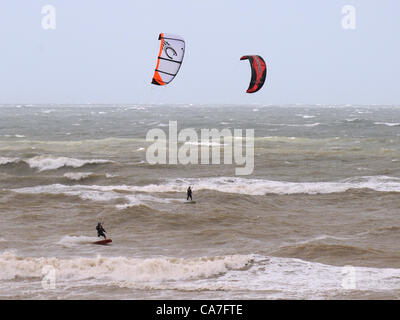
x,y
105,51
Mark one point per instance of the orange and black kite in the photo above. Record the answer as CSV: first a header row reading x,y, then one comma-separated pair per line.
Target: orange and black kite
x,y
169,61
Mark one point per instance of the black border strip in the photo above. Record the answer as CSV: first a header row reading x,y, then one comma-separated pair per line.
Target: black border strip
x,y
204,309
169,60
174,39
170,74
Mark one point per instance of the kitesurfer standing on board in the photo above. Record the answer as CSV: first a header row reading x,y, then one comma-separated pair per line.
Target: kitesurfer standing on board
x,y
189,193
100,230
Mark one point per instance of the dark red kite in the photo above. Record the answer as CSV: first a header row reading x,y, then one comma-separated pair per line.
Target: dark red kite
x,y
258,72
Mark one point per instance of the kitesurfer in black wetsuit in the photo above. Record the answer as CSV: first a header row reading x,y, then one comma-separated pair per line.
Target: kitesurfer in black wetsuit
x,y
100,231
189,194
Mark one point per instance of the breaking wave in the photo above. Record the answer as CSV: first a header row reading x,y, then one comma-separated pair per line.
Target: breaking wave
x,y
221,184
389,124
273,277
43,163
120,268
47,162
77,176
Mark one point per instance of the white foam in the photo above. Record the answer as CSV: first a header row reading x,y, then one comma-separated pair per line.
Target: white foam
x,y
120,269
312,124
224,184
260,276
15,135
353,120
48,111
305,116
97,193
263,187
6,160
76,176
43,163
389,124
141,199
221,184
69,241
206,143
295,125
283,278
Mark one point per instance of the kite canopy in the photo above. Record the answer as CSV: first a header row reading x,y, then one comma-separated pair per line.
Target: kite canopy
x,y
258,72
169,58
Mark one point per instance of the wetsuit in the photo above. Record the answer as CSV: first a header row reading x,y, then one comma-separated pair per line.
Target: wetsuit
x,y
100,231
189,194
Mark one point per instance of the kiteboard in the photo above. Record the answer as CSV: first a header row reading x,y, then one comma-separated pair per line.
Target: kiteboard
x,y
190,202
103,242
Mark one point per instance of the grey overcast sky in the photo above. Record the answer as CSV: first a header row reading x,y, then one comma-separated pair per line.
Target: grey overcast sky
x,y
105,51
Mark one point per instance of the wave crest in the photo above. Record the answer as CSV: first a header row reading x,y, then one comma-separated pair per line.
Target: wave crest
x,y
43,163
121,268
223,184
77,176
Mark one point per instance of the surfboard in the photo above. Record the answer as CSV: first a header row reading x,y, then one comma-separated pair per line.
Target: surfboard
x,y
189,202
103,242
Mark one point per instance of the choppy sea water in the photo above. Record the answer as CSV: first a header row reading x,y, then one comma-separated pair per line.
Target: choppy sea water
x,y
317,219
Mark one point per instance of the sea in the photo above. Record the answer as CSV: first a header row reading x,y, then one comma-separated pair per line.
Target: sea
x,y
317,218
